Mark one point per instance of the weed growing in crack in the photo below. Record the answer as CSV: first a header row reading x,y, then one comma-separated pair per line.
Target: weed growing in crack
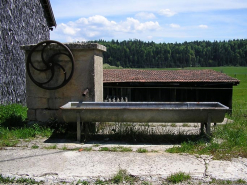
x,y
8,180
51,147
178,177
35,147
87,149
142,150
104,149
82,182
123,176
96,145
116,149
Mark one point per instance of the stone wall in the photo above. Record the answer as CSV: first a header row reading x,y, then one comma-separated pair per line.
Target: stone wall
x,y
22,22
43,105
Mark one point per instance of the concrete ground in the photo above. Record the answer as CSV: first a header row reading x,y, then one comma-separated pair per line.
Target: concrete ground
x,y
70,162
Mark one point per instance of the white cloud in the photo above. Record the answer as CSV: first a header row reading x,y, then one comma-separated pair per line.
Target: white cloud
x,y
98,26
174,26
68,29
134,25
145,15
203,26
167,12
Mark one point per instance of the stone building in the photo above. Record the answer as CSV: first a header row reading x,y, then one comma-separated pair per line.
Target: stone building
x,y
22,22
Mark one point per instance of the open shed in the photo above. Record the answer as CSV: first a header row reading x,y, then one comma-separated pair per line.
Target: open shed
x,y
168,86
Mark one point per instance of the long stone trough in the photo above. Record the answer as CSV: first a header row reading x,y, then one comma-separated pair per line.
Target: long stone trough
x,y
161,112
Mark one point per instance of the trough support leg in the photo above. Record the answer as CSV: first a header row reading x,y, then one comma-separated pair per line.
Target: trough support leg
x,y
78,127
86,130
208,126
202,127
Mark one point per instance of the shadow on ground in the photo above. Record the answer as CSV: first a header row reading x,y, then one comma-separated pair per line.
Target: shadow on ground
x,y
116,138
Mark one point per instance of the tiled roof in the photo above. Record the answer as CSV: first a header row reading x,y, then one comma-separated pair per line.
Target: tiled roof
x,y
136,75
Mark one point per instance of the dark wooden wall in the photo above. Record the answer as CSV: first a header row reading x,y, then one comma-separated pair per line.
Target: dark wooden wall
x,y
196,92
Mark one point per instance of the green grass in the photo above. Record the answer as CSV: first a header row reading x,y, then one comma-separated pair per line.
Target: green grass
x,y
98,181
186,125
82,182
173,125
10,137
123,176
104,149
116,149
51,147
141,150
178,177
96,145
8,180
13,115
87,149
35,147
13,126
217,181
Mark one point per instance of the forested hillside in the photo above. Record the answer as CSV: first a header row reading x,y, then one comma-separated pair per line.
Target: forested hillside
x,y
139,54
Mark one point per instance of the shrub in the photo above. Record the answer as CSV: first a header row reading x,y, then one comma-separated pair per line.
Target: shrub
x,y
13,115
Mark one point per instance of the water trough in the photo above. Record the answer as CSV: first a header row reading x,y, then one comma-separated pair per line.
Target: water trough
x,y
161,112
72,75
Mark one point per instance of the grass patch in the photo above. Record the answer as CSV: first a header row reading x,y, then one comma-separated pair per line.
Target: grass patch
x,y
87,149
122,176
27,181
173,125
35,147
142,150
8,180
64,148
120,149
125,149
82,182
186,125
178,177
217,181
10,137
146,183
116,149
12,115
13,126
104,149
96,145
241,181
51,147
98,181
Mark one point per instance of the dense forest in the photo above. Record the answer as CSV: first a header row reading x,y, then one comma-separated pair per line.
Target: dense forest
x,y
139,54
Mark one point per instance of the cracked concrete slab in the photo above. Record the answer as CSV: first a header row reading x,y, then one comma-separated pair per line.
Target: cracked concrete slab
x,y
228,170
62,165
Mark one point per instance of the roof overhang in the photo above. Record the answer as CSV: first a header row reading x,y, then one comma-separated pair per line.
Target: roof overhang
x,y
205,76
49,13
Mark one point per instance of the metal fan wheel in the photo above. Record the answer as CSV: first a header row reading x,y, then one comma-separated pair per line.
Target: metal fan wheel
x,y
50,65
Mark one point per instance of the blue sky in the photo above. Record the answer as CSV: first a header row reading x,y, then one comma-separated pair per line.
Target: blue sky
x,y
160,21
